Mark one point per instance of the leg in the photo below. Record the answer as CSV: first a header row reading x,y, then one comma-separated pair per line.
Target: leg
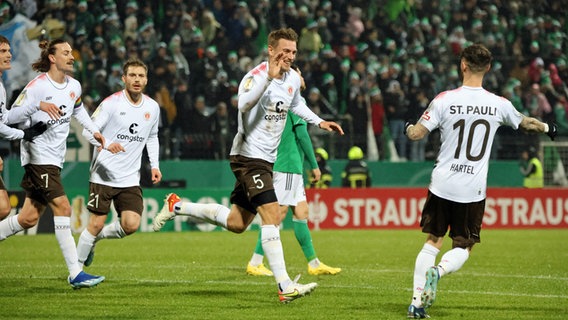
x,y
302,233
62,223
255,266
5,206
235,219
27,218
88,238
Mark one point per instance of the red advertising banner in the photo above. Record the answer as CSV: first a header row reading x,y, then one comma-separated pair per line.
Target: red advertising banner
x,y
394,208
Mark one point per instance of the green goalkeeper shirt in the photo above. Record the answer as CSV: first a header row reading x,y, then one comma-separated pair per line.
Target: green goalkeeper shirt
x,y
294,146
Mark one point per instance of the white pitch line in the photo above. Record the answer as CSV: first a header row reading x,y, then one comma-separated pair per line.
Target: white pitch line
x,y
327,285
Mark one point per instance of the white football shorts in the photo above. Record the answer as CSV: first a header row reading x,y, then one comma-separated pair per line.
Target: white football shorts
x,y
289,188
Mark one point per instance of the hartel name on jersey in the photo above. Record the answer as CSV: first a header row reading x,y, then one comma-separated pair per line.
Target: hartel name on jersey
x,y
128,138
481,110
58,121
462,168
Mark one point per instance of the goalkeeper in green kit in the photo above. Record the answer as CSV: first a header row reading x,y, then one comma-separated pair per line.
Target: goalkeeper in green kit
x,y
289,187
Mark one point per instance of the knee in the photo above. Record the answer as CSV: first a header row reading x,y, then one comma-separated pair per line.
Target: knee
x,y
236,228
27,221
130,228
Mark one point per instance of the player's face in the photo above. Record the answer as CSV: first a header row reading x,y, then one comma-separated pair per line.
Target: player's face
x,y
63,58
135,79
5,57
288,50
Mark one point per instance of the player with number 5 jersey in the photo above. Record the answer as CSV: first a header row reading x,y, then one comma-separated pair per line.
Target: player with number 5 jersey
x,y
266,93
468,118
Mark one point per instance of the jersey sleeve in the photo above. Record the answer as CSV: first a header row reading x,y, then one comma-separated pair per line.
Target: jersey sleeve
x,y
153,146
99,119
9,133
304,141
252,87
25,105
511,116
432,115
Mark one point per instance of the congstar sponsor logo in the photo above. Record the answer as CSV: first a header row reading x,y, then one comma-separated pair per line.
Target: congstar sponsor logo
x,y
133,129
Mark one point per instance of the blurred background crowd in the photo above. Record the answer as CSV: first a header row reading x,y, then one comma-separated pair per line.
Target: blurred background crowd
x,y
369,65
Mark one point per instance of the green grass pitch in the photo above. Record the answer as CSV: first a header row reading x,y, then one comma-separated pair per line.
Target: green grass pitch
x,y
512,274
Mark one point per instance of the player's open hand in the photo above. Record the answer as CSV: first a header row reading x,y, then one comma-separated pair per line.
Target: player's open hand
x,y
115,147
331,126
275,65
51,109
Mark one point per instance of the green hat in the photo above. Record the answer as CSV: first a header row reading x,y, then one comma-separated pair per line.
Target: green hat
x,y
374,92
327,78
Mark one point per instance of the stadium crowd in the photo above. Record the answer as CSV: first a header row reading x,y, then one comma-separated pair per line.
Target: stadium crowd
x,y
369,65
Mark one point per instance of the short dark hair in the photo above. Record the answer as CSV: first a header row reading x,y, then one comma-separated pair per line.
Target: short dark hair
x,y
283,33
133,62
4,39
477,57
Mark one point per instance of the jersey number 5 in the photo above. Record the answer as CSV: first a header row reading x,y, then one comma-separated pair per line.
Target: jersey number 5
x,y
259,184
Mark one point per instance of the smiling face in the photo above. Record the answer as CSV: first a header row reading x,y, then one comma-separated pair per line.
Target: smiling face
x,y
288,50
5,57
62,58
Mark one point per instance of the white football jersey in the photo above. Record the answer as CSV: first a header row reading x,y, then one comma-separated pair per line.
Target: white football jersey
x,y
7,132
468,119
260,128
49,148
134,127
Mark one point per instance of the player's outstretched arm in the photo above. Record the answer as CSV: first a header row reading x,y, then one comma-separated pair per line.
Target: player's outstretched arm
x,y
331,126
531,124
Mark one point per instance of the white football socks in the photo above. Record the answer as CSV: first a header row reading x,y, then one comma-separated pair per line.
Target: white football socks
x,y
208,212
85,245
272,246
256,259
452,261
111,231
9,227
62,226
426,258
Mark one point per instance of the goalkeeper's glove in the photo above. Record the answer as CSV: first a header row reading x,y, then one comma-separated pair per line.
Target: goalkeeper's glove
x,y
552,130
35,130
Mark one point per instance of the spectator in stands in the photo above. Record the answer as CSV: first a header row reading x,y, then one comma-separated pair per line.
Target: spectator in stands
x,y
358,110
396,108
418,105
378,120
537,103
198,133
517,32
